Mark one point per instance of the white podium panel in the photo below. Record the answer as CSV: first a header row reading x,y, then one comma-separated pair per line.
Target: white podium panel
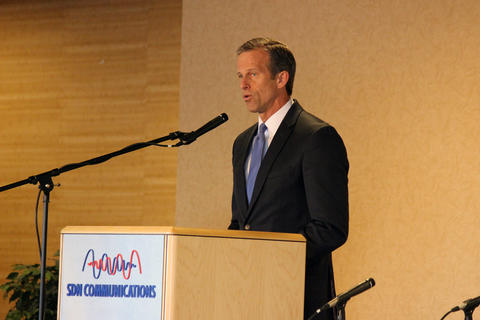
x,y
111,276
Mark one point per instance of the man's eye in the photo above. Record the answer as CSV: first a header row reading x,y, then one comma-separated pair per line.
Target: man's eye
x,y
253,74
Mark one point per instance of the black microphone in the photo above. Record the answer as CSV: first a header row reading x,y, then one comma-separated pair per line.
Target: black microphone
x,y
469,304
187,138
344,297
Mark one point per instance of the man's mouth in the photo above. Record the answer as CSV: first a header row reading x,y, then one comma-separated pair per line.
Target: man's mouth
x,y
247,97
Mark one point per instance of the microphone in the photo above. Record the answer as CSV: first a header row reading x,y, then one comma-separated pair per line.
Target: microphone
x,y
467,305
187,138
344,297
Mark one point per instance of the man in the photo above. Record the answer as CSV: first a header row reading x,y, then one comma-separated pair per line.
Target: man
x,y
300,186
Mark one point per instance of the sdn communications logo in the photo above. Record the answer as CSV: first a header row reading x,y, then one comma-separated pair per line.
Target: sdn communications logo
x,y
111,267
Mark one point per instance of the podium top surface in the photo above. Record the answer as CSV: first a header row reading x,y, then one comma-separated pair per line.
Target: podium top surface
x,y
180,231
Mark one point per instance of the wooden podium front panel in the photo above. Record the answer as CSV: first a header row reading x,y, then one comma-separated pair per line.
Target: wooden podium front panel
x,y
207,274
234,278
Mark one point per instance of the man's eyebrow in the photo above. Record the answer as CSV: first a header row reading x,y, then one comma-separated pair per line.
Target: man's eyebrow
x,y
249,70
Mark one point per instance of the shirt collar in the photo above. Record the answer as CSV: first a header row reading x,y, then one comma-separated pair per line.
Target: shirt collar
x,y
276,119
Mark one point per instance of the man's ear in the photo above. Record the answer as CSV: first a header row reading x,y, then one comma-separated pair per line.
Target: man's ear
x,y
282,79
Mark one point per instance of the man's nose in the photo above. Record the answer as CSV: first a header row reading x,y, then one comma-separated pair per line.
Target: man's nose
x,y
244,83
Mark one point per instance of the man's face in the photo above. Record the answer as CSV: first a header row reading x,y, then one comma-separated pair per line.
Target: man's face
x,y
259,89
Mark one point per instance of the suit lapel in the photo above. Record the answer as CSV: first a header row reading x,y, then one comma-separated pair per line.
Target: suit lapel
x,y
241,191
281,136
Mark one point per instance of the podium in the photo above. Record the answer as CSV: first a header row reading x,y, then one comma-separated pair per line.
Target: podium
x,y
172,273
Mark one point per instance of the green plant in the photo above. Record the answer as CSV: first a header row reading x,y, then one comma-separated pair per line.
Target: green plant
x,y
23,287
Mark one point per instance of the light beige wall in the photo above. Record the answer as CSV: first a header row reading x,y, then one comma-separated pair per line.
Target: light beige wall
x,y
79,79
400,82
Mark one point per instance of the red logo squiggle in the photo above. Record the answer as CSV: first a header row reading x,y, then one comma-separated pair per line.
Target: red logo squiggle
x,y
111,266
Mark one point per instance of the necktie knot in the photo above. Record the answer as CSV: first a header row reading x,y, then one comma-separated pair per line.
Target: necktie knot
x,y
261,132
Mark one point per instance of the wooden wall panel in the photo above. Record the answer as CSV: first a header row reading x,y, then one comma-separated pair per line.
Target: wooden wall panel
x,y
79,79
400,82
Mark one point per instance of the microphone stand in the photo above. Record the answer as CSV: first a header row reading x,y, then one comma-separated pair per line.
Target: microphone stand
x,y
46,186
339,311
468,314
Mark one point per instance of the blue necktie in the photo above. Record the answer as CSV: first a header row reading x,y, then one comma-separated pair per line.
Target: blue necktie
x,y
256,159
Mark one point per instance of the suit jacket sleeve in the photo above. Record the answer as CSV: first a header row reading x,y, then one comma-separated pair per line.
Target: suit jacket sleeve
x,y
234,225
325,170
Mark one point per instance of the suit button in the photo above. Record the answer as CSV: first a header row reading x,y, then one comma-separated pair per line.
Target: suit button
x,y
247,227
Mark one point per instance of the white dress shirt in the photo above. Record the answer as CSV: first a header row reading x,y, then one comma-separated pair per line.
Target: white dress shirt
x,y
272,124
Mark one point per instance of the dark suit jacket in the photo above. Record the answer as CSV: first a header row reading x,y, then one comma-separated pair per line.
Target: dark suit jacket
x,y
301,187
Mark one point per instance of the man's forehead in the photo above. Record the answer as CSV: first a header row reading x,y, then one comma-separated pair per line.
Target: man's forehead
x,y
252,59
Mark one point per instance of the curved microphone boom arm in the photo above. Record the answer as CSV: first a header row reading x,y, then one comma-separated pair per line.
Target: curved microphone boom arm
x,y
46,184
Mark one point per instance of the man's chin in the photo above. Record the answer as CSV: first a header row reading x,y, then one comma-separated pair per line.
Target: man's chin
x,y
252,107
